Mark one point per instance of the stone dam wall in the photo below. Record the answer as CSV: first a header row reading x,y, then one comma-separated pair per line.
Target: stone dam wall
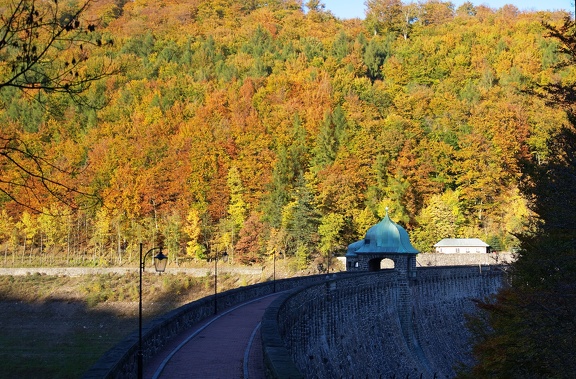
x,y
346,325
377,325
120,362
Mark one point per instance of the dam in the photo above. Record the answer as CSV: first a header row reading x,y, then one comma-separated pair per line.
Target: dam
x,y
378,325
399,322
387,316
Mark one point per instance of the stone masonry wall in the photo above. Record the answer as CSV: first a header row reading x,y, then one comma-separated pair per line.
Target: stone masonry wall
x,y
464,259
441,298
381,325
120,362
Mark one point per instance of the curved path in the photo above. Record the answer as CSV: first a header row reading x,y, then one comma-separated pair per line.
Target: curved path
x,y
226,346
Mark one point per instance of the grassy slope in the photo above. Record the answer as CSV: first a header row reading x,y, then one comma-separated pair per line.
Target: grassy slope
x,y
57,327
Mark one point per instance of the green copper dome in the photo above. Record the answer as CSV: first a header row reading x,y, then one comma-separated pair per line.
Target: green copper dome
x,y
384,237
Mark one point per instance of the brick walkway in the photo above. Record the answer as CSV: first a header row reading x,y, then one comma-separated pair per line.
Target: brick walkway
x,y
216,348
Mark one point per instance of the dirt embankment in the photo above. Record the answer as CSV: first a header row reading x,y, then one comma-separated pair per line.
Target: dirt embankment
x,y
79,271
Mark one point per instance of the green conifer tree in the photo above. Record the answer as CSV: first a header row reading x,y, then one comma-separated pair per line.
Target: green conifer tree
x,y
527,332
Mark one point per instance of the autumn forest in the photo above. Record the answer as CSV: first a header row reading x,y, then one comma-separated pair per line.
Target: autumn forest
x,y
259,127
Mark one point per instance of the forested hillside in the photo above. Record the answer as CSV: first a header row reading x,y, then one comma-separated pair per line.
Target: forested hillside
x,y
255,127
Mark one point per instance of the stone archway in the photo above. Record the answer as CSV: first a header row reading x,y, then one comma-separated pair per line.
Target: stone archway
x,y
387,264
377,264
386,246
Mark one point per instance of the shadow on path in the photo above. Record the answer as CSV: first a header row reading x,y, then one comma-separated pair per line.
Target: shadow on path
x,y
226,346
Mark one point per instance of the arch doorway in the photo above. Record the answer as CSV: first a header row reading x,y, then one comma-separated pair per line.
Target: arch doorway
x,y
378,264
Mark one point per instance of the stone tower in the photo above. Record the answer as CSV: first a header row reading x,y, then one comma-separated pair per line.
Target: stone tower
x,y
388,240
385,240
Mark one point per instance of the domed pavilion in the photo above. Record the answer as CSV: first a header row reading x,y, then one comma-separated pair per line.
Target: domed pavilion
x,y
385,240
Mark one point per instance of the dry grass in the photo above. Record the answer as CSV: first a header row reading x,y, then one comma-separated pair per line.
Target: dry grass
x,y
57,327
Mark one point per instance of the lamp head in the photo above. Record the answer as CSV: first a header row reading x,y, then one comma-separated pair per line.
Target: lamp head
x,y
160,261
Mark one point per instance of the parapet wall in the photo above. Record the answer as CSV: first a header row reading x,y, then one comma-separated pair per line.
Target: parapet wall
x,y
120,362
464,259
378,324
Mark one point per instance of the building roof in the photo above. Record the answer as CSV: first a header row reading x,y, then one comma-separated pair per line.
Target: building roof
x,y
461,242
384,237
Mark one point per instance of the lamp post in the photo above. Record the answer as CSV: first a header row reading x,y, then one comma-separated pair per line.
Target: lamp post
x,y
224,258
160,261
274,265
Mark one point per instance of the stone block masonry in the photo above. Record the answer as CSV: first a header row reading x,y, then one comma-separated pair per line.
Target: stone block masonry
x,y
120,362
383,325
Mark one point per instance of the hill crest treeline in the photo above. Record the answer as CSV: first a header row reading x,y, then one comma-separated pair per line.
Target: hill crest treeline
x,y
252,127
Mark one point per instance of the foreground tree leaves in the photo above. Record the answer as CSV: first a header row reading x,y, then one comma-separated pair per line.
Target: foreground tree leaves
x,y
528,330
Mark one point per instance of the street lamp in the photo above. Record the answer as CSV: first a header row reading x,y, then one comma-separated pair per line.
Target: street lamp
x,y
274,276
225,259
160,261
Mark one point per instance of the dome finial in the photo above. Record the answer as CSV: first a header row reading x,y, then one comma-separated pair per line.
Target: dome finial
x,y
386,211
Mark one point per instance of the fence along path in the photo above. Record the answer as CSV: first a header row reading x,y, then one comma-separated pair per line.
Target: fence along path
x,y
226,346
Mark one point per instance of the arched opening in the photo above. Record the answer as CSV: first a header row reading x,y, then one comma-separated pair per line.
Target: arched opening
x,y
386,264
378,264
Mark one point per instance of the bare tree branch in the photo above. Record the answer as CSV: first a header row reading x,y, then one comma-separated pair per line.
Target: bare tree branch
x,y
45,47
34,179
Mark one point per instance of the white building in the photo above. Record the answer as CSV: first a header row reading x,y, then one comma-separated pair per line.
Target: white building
x,y
462,245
